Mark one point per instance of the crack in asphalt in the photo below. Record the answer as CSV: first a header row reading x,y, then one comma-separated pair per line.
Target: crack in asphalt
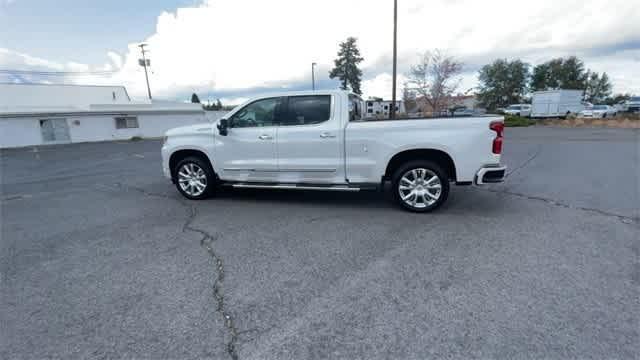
x,y
207,243
524,164
623,218
218,291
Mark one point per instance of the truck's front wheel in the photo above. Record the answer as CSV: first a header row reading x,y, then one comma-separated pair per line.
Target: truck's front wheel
x,y
194,178
420,186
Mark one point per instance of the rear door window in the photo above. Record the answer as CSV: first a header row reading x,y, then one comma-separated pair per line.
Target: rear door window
x,y
307,110
355,108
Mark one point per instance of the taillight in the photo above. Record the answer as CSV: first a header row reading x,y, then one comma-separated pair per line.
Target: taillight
x,y
498,127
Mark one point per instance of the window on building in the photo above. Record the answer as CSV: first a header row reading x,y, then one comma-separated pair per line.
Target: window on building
x,y
126,122
369,103
306,110
370,111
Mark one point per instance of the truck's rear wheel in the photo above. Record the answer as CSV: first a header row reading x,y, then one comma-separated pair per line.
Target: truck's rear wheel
x,y
420,186
194,178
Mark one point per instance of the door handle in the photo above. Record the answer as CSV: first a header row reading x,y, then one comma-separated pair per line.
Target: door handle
x,y
265,137
326,135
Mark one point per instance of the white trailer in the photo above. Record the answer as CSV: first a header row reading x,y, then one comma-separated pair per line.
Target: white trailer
x,y
556,103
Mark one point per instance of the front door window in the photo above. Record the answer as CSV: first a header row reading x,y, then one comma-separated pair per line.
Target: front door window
x,y
259,113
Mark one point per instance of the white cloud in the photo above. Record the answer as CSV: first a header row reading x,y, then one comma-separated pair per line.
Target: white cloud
x,y
15,60
115,58
623,68
227,47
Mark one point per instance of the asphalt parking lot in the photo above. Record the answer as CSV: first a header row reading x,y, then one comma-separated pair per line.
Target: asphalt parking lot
x,y
102,258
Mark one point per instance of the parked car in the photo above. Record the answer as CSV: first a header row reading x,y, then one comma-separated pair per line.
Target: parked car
x,y
319,140
463,112
599,111
523,110
631,105
556,103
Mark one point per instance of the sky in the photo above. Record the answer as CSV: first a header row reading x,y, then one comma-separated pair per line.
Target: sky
x,y
235,49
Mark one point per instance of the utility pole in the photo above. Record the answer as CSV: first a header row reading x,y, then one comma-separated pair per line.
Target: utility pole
x,y
144,63
392,113
313,76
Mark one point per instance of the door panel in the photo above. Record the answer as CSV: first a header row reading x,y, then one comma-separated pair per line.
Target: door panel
x,y
61,130
309,146
248,152
55,130
46,127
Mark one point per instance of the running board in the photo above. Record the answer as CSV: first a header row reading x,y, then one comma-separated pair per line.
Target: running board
x,y
295,187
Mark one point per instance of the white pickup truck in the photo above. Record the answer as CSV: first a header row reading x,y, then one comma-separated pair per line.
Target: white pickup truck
x,y
320,141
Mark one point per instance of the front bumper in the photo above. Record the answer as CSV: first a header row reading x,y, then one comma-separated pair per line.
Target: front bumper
x,y
489,175
165,162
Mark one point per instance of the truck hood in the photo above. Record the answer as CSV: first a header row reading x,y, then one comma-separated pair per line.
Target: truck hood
x,y
190,129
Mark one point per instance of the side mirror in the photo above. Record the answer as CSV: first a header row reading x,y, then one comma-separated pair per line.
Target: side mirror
x,y
223,126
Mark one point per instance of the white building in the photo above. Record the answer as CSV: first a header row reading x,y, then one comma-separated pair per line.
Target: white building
x,y
37,114
381,108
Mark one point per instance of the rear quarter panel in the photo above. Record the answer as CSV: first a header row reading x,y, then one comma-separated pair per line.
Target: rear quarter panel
x,y
370,145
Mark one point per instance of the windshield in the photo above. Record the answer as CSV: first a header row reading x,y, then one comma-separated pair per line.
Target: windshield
x,y
514,107
635,98
599,107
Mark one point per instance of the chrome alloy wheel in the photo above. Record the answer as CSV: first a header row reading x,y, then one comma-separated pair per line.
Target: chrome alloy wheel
x,y
192,179
419,188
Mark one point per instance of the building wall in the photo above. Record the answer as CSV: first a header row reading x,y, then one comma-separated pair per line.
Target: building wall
x,y
19,132
25,131
376,108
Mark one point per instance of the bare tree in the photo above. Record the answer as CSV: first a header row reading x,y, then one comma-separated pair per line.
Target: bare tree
x,y
435,78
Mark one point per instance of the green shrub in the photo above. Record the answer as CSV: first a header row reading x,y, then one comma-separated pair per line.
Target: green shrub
x,y
513,121
136,138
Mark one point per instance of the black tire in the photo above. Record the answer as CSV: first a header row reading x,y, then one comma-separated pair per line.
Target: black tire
x,y
433,168
209,175
604,116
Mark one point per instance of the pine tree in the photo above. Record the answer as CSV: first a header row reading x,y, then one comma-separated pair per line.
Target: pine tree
x,y
598,87
346,66
195,98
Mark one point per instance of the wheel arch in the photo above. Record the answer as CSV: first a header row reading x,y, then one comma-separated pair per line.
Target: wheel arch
x,y
180,154
440,157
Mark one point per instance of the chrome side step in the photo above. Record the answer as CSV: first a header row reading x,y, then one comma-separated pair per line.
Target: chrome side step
x,y
296,187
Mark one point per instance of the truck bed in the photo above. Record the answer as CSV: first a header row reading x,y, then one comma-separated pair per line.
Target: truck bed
x,y
468,141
